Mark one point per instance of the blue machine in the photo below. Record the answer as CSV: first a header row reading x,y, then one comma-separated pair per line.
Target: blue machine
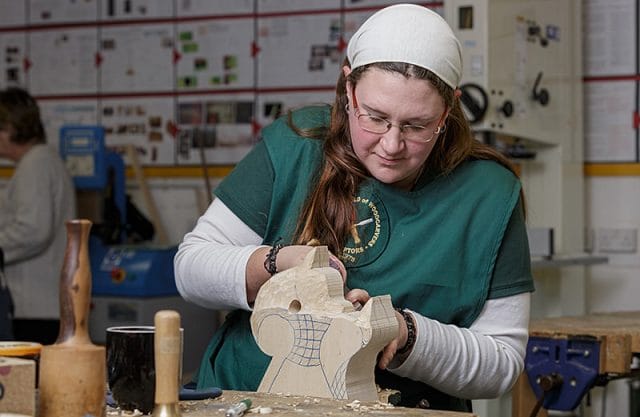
x,y
132,271
117,269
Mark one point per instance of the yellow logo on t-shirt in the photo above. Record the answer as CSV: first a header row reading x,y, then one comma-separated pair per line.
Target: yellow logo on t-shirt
x,y
369,233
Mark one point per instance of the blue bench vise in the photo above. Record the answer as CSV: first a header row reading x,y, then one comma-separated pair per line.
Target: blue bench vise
x,y
562,371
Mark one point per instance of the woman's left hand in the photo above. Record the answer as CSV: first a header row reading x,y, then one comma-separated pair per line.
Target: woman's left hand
x,y
389,352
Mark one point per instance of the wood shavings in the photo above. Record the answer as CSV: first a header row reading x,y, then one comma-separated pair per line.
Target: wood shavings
x,y
117,412
379,405
188,406
261,410
355,404
358,406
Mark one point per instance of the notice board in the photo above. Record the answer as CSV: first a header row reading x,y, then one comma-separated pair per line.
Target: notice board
x,y
182,80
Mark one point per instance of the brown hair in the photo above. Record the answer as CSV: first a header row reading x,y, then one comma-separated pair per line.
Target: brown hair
x,y
328,214
20,115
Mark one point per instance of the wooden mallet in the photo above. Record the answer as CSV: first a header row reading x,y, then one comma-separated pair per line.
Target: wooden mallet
x,y
72,378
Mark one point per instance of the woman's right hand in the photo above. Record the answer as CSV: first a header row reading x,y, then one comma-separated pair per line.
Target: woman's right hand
x,y
291,256
286,258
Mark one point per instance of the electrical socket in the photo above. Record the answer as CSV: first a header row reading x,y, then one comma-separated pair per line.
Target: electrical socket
x,y
616,240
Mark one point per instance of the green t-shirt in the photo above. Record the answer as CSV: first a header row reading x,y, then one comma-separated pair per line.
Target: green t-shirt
x,y
441,249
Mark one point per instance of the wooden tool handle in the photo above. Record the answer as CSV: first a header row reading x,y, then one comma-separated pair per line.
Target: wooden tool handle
x,y
168,352
154,213
75,285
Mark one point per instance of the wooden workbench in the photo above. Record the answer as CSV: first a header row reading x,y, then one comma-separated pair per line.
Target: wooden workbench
x,y
296,406
618,334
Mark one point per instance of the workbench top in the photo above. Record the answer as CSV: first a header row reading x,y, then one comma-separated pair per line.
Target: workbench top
x,y
618,334
281,405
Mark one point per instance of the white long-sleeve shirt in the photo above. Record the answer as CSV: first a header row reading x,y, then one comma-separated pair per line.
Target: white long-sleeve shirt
x,y
482,361
35,204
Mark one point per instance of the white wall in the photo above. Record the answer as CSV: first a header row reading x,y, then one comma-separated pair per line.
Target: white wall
x,y
612,203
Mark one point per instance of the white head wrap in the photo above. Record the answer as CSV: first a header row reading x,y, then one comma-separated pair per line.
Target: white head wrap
x,y
408,33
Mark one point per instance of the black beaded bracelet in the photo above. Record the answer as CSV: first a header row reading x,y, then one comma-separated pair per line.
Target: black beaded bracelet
x,y
411,331
270,261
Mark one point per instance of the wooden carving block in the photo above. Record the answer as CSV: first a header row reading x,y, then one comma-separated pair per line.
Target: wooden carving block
x,y
319,344
17,386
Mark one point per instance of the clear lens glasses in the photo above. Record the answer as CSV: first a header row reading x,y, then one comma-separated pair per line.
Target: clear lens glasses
x,y
415,133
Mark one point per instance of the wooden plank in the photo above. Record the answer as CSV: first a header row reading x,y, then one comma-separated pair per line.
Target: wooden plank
x,y
282,405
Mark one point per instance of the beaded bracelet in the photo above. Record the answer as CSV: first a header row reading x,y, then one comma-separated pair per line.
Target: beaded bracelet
x,y
411,331
270,261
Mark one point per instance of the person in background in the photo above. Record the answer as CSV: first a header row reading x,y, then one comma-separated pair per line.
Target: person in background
x,y
34,205
392,181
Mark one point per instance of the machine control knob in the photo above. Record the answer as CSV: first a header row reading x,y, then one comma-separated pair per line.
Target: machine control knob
x,y
543,96
507,108
118,275
474,101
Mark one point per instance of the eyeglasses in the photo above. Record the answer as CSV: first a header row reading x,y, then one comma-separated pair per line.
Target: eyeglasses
x,y
379,125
